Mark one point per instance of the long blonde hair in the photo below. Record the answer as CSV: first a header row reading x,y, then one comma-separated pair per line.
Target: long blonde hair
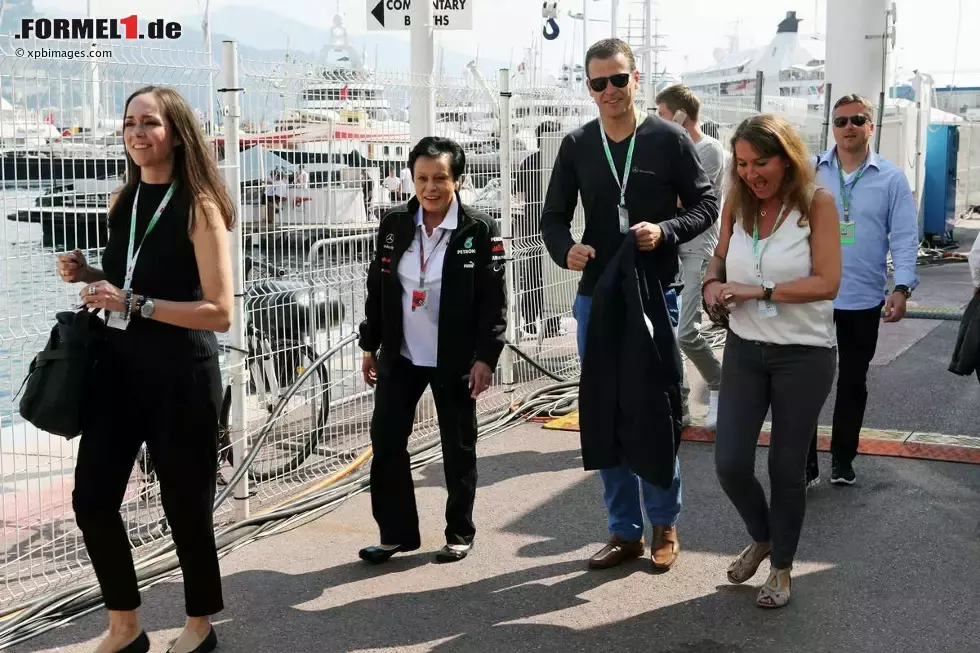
x,y
771,135
196,173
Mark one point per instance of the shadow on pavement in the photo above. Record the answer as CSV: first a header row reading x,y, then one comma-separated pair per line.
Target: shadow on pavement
x,y
894,565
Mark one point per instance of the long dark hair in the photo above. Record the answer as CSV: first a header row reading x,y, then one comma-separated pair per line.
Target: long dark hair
x,y
771,135
195,169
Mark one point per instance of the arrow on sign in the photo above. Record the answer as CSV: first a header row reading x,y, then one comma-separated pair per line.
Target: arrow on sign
x,y
379,12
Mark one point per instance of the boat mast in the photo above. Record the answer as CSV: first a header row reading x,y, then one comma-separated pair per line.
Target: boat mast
x,y
90,113
209,124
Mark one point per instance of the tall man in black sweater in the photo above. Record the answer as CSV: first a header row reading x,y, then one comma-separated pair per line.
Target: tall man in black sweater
x,y
630,168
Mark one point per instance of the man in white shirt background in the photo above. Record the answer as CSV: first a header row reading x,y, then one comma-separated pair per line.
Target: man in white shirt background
x,y
679,104
408,184
302,178
393,185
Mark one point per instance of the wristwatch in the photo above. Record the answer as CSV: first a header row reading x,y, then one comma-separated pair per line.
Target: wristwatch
x,y
902,288
146,310
767,288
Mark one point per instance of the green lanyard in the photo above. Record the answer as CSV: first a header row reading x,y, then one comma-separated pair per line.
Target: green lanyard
x,y
131,256
845,195
629,160
755,239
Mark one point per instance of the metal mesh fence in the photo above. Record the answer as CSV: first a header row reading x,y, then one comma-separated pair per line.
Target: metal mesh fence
x,y
322,152
62,153
541,116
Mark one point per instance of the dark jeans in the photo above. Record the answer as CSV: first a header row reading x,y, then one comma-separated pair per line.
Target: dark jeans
x,y
622,488
857,340
792,380
392,491
175,411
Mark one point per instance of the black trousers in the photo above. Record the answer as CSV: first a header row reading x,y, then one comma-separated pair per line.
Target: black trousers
x,y
175,411
392,491
857,340
793,381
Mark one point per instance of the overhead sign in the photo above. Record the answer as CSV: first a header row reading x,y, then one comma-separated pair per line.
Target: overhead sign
x,y
397,14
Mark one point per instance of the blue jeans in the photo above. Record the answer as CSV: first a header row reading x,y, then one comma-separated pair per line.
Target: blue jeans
x,y
622,487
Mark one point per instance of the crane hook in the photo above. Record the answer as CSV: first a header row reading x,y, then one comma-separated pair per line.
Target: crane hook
x,y
549,11
550,30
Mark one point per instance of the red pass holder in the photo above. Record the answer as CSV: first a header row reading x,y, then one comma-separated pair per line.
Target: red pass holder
x,y
418,300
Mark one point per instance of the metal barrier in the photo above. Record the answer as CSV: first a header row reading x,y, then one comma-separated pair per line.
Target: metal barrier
x,y
315,154
55,186
321,155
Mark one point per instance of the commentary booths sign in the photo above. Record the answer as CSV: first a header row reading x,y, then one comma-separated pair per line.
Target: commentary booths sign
x,y
397,14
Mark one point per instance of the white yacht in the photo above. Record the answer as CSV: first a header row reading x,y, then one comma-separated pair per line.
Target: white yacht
x,y
21,127
792,66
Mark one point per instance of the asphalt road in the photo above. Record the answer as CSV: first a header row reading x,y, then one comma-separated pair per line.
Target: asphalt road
x,y
892,564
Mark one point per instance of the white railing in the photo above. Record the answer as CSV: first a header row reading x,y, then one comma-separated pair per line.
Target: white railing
x,y
315,147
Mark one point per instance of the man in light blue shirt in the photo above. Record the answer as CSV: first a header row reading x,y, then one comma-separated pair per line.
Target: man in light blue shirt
x,y
877,214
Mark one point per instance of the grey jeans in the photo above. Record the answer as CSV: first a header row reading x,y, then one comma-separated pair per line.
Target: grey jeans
x,y
689,337
794,381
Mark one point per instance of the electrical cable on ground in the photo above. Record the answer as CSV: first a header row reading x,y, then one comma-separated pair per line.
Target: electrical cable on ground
x,y
21,623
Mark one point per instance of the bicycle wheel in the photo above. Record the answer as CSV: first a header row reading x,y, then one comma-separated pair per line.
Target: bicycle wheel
x,y
298,430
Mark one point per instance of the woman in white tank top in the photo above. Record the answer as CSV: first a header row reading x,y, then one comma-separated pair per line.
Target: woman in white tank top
x,y
773,278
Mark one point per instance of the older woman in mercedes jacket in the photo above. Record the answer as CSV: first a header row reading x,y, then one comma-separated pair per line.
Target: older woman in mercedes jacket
x,y
435,317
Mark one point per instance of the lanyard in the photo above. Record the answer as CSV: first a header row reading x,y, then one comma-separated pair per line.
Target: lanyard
x,y
845,196
131,256
755,238
423,259
629,160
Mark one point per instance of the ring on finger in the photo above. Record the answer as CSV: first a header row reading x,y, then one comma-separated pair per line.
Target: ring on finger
x,y
92,290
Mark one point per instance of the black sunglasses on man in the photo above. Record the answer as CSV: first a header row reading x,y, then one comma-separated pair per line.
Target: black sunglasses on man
x,y
860,120
619,80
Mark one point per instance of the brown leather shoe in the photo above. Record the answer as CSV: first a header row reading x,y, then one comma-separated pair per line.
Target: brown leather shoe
x,y
615,552
665,548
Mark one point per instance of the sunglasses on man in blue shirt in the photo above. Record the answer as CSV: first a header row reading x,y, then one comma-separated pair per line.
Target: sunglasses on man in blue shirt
x,y
859,120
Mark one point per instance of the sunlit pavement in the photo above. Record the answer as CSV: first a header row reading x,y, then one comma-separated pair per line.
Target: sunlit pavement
x,y
891,564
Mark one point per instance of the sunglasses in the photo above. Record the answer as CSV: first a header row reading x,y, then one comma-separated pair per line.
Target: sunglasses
x,y
859,120
598,84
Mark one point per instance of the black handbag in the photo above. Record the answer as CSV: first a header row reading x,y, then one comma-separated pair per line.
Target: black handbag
x,y
59,377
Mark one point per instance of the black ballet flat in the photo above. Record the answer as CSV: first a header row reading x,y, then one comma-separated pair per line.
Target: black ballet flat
x,y
446,554
376,555
139,645
209,644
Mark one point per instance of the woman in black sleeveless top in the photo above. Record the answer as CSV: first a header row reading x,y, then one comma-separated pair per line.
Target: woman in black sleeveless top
x,y
158,379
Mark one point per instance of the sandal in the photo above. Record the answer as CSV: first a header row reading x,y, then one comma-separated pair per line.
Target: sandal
x,y
776,592
748,561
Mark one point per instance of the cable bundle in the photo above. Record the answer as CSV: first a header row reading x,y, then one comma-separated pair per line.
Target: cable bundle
x,y
26,621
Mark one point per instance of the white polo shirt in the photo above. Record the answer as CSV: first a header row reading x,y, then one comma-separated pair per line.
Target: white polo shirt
x,y
420,328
